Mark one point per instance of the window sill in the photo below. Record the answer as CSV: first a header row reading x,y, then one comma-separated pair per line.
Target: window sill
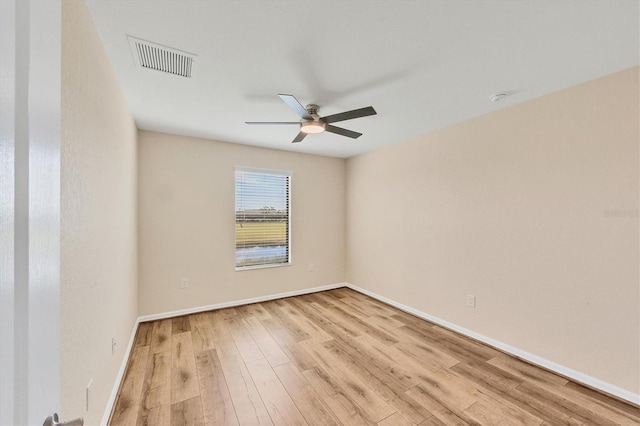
x,y
250,268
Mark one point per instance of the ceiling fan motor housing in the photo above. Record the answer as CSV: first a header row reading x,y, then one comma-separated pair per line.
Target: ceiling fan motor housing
x,y
312,109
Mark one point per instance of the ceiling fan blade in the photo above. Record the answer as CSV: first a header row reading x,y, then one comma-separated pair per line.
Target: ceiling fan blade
x,y
349,115
296,106
272,122
299,138
342,132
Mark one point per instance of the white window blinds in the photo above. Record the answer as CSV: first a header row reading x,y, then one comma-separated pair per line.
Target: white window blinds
x,y
262,218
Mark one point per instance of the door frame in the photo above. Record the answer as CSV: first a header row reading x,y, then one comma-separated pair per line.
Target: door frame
x,y
30,80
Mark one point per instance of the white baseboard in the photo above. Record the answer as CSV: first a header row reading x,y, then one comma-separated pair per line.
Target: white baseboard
x,y
123,367
153,317
233,303
534,359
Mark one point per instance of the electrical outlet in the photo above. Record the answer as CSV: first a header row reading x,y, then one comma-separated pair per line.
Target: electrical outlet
x,y
471,300
310,267
88,395
184,283
113,345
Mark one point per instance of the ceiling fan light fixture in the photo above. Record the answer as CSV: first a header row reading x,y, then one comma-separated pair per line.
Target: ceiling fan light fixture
x,y
312,127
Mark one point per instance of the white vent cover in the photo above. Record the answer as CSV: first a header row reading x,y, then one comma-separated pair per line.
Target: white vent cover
x,y
161,58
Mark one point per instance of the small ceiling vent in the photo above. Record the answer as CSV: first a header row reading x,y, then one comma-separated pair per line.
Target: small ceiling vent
x,y
157,57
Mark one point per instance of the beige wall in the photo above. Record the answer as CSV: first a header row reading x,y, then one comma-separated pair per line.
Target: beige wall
x,y
98,218
511,207
186,222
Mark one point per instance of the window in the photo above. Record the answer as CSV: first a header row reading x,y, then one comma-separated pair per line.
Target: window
x,y
262,218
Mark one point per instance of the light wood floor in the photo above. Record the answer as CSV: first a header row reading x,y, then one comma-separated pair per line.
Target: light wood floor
x,y
339,357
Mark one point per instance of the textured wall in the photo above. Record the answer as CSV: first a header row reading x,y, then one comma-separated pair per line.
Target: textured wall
x,y
533,209
186,222
98,218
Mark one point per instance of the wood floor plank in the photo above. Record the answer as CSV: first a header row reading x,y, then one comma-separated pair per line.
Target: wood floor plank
x,y
143,335
180,324
187,413
539,380
297,354
374,407
406,368
279,404
339,357
389,320
271,350
390,360
488,414
161,336
158,415
332,300
358,326
127,403
323,318
442,389
502,386
447,417
184,377
409,319
426,353
155,401
374,306
484,374
633,412
248,404
300,319
525,371
311,406
487,411
222,339
327,310
394,420
410,409
589,414
218,408
355,307
596,405
254,310
465,345
294,329
201,332
248,348
432,421
335,396
385,326
386,385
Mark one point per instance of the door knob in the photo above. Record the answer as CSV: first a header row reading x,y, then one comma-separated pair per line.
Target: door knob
x,y
53,420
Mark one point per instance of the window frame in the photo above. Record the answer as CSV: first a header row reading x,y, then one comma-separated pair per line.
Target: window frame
x,y
273,172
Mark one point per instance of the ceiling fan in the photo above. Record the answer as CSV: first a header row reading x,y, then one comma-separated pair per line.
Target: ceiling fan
x,y
312,123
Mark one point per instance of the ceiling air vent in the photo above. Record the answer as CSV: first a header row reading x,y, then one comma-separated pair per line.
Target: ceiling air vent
x,y
157,57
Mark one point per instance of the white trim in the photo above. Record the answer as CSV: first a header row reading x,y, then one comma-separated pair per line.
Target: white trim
x,y
265,266
534,359
119,377
233,303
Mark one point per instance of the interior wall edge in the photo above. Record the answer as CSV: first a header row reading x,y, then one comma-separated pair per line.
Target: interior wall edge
x,y
576,376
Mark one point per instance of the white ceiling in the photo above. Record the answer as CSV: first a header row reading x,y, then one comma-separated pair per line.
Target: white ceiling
x,y
422,65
